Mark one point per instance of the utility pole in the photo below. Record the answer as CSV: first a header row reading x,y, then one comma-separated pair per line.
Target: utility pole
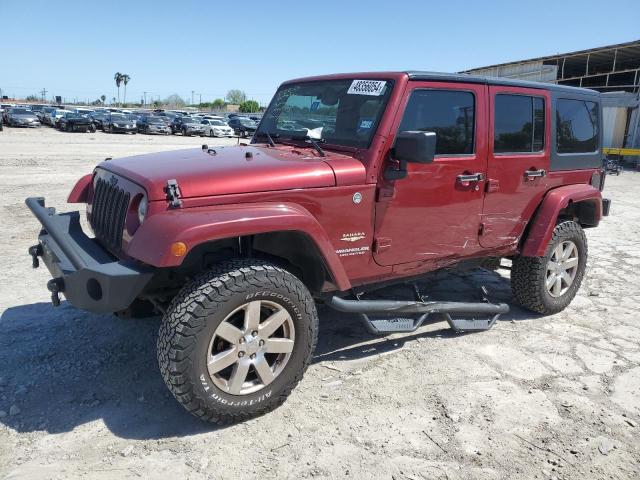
x,y
43,93
200,98
192,92
145,98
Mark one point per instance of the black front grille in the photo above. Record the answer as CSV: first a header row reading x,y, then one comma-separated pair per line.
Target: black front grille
x,y
108,213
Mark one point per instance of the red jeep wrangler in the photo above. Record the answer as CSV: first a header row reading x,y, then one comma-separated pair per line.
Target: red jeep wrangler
x,y
350,182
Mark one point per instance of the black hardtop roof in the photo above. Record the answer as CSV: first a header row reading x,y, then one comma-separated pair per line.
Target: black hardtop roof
x,y
467,78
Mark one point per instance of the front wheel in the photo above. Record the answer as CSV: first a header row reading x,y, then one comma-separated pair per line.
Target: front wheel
x,y
548,284
236,340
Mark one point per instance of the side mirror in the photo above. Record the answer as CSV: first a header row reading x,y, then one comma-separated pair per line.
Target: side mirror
x,y
411,146
415,146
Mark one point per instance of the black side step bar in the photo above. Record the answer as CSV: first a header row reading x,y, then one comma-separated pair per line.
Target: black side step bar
x,y
390,308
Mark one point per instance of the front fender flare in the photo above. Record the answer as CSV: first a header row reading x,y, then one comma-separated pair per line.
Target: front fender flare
x,y
193,226
544,222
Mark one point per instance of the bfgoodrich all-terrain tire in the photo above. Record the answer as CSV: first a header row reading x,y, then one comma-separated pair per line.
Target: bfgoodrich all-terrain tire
x,y
236,340
548,284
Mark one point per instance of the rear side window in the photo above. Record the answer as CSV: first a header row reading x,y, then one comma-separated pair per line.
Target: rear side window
x,y
576,126
519,124
448,113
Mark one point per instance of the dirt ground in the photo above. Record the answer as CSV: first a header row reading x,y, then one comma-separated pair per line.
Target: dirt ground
x,y
554,397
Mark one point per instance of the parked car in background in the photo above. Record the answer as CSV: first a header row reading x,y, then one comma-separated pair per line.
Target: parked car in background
x,y
187,126
56,116
76,122
153,124
83,111
21,117
119,122
98,117
216,128
243,126
45,115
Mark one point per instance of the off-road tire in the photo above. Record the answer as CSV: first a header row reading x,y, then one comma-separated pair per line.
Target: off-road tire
x,y
528,273
195,313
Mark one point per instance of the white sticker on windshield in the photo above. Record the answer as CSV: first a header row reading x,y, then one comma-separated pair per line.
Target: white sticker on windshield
x,y
367,87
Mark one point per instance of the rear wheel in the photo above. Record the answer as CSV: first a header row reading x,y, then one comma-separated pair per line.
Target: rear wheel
x,y
548,284
237,340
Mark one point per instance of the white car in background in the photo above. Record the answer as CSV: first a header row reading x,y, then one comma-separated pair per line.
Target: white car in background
x,y
216,128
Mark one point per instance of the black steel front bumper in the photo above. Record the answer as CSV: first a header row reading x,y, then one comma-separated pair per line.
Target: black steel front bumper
x,y
89,277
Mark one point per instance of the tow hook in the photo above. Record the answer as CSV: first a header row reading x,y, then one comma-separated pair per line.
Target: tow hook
x,y
55,286
35,252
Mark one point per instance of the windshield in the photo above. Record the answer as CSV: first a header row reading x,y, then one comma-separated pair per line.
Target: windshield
x,y
73,115
340,112
155,120
120,118
217,123
189,120
21,111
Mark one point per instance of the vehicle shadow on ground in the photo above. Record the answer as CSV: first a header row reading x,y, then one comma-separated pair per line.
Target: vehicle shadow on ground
x,y
62,368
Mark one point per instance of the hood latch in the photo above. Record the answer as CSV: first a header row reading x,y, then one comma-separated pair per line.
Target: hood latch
x,y
173,193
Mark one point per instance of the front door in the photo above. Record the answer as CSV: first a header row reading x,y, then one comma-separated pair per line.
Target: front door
x,y
434,212
518,162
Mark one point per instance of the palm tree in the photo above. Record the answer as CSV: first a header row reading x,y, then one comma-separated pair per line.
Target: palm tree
x,y
118,78
125,80
103,98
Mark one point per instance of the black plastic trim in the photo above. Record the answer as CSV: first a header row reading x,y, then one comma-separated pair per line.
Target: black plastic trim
x,y
92,278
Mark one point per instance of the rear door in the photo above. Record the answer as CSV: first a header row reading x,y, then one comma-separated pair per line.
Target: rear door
x,y
519,145
434,212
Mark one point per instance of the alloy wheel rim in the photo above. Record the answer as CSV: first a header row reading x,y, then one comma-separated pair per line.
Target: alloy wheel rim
x,y
562,268
251,347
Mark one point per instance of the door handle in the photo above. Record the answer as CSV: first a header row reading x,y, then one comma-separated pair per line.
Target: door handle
x,y
472,177
535,173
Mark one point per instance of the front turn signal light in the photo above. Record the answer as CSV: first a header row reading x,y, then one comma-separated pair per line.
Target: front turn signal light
x,y
178,249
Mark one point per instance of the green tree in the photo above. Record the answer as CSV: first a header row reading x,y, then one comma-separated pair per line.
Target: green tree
x,y
103,98
32,98
118,79
218,104
249,106
174,100
236,96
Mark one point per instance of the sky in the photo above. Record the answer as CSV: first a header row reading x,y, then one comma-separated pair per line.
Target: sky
x,y
73,48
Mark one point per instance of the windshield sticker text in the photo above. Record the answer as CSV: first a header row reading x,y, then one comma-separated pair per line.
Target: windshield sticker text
x,y
367,87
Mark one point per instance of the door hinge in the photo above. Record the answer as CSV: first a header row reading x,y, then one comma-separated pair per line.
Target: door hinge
x,y
173,193
385,193
381,243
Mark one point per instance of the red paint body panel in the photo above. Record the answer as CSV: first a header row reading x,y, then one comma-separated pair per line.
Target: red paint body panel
x,y
429,215
514,198
230,171
80,191
545,220
152,241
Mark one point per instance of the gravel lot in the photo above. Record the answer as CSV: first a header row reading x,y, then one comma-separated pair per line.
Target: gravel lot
x,y
554,397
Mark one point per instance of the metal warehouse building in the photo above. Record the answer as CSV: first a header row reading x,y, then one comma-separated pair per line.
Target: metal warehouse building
x,y
613,70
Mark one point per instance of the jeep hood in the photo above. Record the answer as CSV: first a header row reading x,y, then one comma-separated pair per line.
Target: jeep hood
x,y
237,169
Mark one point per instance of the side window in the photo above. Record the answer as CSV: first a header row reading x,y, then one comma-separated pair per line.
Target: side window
x,y
519,124
576,126
448,113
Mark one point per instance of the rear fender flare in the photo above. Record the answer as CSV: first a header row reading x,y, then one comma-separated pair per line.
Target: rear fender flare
x,y
151,243
544,221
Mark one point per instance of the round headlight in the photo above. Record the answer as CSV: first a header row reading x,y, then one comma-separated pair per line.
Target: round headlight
x,y
142,209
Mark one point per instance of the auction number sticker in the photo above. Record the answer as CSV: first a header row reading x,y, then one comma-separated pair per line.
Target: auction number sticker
x,y
367,87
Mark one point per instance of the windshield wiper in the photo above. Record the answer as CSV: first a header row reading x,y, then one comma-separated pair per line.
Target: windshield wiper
x,y
269,138
314,142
